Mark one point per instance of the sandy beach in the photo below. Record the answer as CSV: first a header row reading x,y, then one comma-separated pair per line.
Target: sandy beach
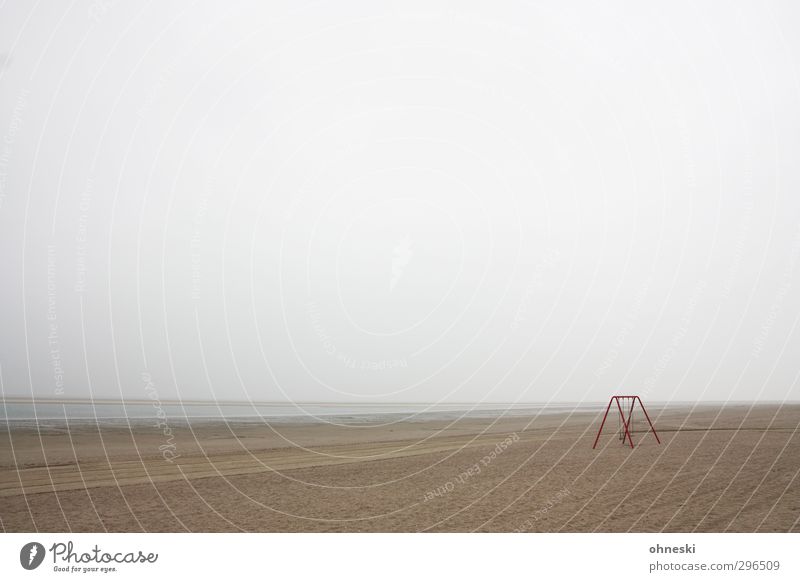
x,y
732,468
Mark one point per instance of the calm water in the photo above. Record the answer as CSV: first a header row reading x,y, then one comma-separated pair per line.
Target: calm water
x,y
51,414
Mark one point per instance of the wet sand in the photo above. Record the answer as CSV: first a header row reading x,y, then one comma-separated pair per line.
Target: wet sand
x,y
732,468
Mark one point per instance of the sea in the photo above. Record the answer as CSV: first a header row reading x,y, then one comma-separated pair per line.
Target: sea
x,y
73,413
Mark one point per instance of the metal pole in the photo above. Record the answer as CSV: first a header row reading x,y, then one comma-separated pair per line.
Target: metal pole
x,y
630,415
647,416
603,423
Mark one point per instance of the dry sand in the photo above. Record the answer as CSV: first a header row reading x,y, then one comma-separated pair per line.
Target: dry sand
x,y
717,469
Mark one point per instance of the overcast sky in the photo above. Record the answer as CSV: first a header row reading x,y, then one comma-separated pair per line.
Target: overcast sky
x,y
400,201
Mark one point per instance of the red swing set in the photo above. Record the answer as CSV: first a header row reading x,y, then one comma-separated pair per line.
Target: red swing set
x,y
625,406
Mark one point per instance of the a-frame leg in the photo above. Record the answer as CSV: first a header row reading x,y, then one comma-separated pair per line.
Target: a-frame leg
x,y
647,416
597,438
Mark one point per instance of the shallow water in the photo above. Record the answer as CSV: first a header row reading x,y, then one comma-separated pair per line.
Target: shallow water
x,y
73,413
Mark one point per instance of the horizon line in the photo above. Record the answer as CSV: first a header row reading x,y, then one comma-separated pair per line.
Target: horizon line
x,y
50,400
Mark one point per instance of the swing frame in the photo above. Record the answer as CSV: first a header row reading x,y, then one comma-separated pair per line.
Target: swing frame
x,y
625,421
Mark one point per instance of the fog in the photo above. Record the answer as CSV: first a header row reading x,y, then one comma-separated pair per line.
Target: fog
x,y
400,201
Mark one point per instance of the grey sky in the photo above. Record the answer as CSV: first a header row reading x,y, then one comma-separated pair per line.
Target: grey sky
x,y
406,201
